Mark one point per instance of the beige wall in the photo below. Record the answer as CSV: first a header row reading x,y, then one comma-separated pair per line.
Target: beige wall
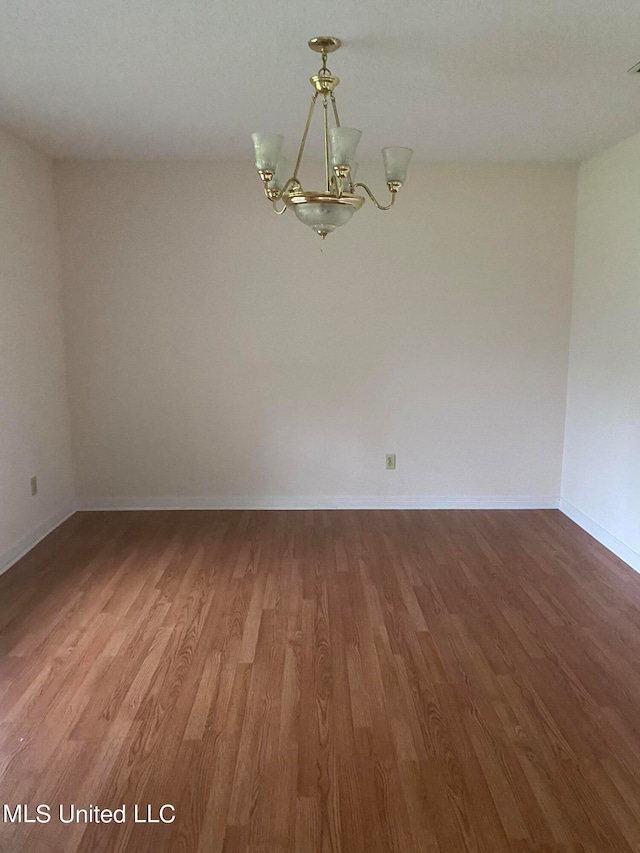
x,y
34,414
601,478
217,351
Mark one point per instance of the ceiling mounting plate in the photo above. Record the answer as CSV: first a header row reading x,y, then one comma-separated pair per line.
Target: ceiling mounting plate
x,y
324,44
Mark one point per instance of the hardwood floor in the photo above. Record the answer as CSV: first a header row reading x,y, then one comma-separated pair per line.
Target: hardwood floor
x,y
364,682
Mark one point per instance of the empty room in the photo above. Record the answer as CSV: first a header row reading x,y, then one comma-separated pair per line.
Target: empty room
x,y
319,427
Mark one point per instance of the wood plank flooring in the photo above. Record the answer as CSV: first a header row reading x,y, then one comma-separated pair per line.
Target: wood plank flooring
x,y
363,682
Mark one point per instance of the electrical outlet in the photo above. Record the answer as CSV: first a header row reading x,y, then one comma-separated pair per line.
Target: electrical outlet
x,y
34,486
391,461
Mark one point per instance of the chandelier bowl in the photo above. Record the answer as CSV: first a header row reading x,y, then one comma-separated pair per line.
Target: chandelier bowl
x,y
322,211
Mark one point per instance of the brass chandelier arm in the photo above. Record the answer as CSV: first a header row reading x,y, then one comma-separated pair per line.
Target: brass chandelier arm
x,y
303,141
275,208
326,144
374,199
275,195
335,109
292,182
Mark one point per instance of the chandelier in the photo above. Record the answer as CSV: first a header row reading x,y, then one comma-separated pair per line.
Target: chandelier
x,y
327,209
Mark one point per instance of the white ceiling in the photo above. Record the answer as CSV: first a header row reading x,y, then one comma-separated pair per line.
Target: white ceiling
x,y
453,79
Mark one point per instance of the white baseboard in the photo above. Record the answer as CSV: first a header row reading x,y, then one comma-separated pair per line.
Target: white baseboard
x,y
324,502
611,542
12,555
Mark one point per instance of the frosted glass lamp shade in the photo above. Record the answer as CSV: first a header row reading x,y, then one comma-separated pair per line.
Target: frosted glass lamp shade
x,y
396,161
343,142
267,147
281,175
324,218
354,171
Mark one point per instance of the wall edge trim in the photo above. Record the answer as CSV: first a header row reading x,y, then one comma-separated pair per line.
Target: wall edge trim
x,y
11,556
601,534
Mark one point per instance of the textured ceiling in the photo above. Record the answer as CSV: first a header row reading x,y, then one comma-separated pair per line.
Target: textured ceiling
x,y
453,79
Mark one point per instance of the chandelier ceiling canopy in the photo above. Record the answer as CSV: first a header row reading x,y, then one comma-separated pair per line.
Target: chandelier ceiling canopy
x,y
329,208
